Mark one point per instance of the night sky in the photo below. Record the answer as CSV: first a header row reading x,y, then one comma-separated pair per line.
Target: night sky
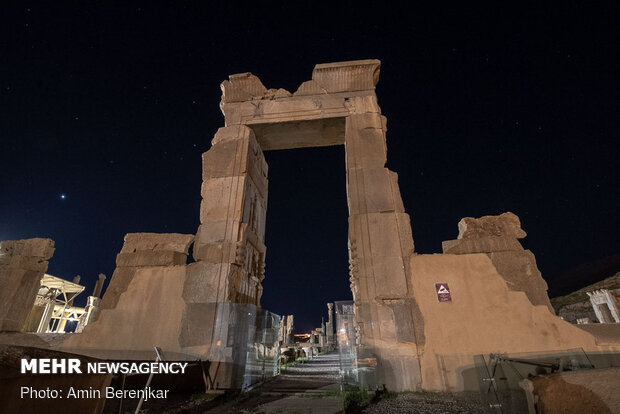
x,y
105,112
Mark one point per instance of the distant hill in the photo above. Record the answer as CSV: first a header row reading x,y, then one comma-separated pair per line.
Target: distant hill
x,y
580,296
583,275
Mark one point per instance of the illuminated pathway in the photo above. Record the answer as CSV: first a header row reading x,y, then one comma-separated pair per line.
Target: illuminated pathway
x,y
312,385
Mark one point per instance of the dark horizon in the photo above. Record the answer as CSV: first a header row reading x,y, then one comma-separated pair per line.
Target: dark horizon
x,y
489,110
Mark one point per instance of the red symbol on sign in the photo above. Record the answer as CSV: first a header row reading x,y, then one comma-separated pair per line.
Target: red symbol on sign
x,y
443,292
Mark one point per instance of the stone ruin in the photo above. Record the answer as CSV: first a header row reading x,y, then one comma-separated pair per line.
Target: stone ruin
x,y
419,319
605,305
32,300
498,238
22,266
287,330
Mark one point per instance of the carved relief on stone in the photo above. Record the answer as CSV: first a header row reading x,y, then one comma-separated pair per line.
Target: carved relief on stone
x,y
250,262
353,269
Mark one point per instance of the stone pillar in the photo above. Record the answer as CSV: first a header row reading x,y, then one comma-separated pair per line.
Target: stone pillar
x,y
225,281
91,310
230,243
22,265
329,326
380,245
290,329
99,285
92,305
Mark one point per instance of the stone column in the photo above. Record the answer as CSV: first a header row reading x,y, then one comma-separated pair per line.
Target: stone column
x,y
380,245
329,326
99,285
92,305
91,310
290,329
22,265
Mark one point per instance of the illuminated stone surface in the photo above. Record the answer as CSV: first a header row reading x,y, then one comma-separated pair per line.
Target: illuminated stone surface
x,y
22,265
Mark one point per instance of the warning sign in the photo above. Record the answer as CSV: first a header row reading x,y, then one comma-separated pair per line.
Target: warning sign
x,y
443,292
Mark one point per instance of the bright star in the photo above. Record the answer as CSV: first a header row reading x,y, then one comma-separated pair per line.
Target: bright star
x,y
63,196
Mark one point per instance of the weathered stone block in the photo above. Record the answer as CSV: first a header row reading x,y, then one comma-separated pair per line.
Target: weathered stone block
x,y
365,144
34,263
362,104
390,277
356,75
390,234
484,244
242,87
359,122
506,224
18,290
225,159
211,232
145,258
35,247
222,198
203,282
403,320
401,372
217,252
148,313
118,285
22,265
381,277
231,133
157,241
386,323
310,87
519,270
238,157
373,190
197,324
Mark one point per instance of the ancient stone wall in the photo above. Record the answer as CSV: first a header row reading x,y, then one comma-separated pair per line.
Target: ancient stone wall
x,y
484,316
143,305
497,237
286,330
22,265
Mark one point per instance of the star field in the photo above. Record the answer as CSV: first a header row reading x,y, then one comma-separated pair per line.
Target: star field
x,y
105,112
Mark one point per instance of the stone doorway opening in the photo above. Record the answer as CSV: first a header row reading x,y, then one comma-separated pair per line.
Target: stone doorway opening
x,y
307,259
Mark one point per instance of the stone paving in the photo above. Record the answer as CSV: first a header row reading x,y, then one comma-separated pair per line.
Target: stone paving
x,y
310,385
